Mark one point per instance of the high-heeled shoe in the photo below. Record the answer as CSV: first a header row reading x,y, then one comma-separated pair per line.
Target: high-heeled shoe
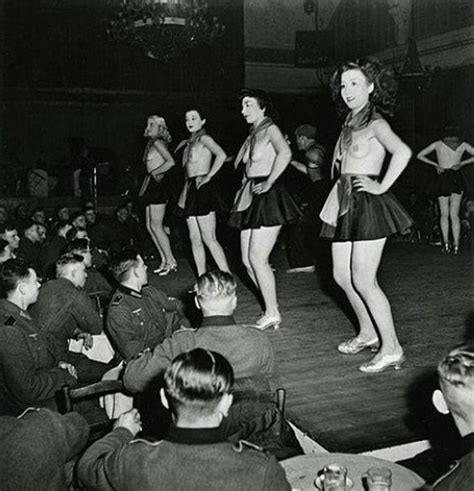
x,y
162,267
383,363
170,268
267,321
355,345
456,251
446,248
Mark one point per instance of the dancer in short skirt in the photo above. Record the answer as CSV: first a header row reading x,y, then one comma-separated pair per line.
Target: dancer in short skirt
x,y
451,183
262,205
198,200
360,212
155,190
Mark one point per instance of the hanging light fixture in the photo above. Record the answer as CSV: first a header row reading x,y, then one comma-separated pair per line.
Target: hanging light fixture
x,y
165,28
412,73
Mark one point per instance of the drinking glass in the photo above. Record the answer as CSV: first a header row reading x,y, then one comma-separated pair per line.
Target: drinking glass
x,y
379,479
335,477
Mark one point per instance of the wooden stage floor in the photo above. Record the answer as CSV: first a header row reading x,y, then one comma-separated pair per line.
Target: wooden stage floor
x,y
327,397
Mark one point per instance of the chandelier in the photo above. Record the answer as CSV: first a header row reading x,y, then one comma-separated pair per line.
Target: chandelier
x,y
162,29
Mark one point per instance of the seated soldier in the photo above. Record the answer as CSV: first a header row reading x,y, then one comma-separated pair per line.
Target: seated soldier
x,y
30,245
139,316
248,349
96,285
38,449
31,370
66,312
456,379
195,454
51,250
9,232
5,251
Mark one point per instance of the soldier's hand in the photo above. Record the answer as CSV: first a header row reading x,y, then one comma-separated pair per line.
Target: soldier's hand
x,y
87,338
70,368
131,420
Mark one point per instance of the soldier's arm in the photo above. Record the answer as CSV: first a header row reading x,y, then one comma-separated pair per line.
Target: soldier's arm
x,y
121,328
171,304
20,373
101,466
140,371
86,314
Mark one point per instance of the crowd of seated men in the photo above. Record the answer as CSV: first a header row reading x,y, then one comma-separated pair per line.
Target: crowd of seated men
x,y
211,379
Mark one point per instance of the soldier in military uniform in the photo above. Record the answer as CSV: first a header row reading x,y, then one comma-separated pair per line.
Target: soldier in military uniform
x,y
66,312
456,379
139,316
195,454
31,371
248,349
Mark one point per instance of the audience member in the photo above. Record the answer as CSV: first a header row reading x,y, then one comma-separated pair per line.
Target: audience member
x,y
66,312
30,245
51,250
456,379
31,370
195,454
248,349
39,216
139,316
126,233
21,216
9,232
96,284
38,448
42,232
3,215
5,251
78,220
97,231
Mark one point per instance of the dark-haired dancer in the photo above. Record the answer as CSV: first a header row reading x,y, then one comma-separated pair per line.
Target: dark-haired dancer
x,y
155,190
360,212
450,184
262,204
197,199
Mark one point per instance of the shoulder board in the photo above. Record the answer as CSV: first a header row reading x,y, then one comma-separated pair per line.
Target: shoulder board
x,y
117,299
146,442
9,321
242,444
184,329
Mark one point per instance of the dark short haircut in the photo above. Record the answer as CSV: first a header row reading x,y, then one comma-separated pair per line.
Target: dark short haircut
x,y
196,381
307,130
263,99
28,225
65,260
3,244
77,214
122,262
202,112
11,273
8,227
215,283
81,245
71,234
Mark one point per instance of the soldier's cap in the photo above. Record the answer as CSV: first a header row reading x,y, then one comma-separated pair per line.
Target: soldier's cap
x,y
307,130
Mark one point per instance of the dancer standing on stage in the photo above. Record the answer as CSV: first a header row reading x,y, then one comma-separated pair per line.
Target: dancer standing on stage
x,y
198,198
450,184
360,211
262,204
155,190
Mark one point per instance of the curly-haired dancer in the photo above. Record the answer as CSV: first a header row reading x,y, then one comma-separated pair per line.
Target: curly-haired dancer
x,y
360,212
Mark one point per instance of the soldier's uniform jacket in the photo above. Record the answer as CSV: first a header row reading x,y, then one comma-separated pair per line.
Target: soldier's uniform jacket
x,y
198,459
248,350
64,309
460,476
140,320
29,374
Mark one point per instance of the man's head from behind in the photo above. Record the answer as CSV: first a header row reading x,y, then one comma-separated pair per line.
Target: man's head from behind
x,y
128,267
72,267
197,388
456,379
216,293
80,247
18,283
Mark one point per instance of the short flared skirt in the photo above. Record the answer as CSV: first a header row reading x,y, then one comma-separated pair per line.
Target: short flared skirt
x,y
199,202
275,207
369,217
449,182
157,193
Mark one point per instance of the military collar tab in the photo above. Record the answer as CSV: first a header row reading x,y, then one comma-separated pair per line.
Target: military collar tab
x,y
129,291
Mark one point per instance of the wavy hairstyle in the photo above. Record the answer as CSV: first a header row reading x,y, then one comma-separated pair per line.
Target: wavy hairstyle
x,y
384,94
163,132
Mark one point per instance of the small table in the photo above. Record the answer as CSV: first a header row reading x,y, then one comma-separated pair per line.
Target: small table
x,y
301,471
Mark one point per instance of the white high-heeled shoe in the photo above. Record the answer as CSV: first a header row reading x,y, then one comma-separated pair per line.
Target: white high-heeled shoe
x,y
383,363
267,321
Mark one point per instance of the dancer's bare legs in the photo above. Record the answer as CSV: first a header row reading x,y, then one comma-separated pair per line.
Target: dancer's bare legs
x,y
197,245
454,207
366,256
443,202
155,217
207,227
342,272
